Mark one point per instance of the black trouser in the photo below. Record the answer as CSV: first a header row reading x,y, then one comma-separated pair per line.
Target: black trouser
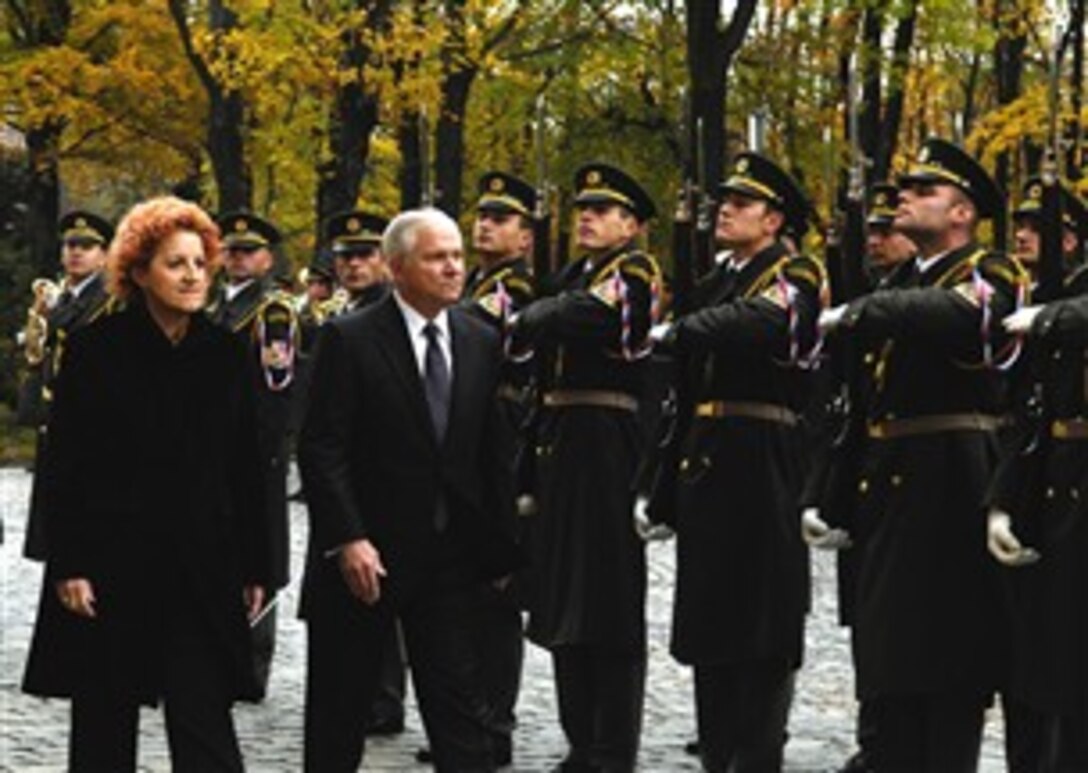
x,y
1068,744
742,710
931,733
344,659
196,703
1025,736
502,650
600,692
388,705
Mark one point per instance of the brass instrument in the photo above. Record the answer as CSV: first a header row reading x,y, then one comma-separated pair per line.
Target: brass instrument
x,y
36,332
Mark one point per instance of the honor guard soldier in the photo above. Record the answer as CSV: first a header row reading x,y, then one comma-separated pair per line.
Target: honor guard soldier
x,y
499,287
589,564
265,318
361,270
927,623
1026,222
1036,513
885,247
57,312
742,568
831,488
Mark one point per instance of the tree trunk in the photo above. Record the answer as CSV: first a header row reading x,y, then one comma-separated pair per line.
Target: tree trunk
x,y
868,62
711,48
225,141
1075,158
353,118
1008,66
38,25
411,161
888,135
450,140
43,198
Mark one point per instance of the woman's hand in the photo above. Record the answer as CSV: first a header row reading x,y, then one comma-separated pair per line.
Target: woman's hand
x,y
77,596
254,598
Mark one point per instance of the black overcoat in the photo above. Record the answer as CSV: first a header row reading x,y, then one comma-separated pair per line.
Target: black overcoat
x,y
157,500
929,617
742,569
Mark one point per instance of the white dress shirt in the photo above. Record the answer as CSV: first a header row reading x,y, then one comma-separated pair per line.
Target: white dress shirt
x,y
415,322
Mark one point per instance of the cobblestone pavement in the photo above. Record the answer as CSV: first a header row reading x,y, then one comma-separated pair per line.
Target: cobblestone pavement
x,y
33,732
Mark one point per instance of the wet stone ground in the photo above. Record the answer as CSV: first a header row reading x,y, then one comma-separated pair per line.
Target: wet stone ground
x,y
33,732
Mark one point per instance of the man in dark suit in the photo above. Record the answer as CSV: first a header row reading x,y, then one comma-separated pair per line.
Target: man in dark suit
x,y
403,458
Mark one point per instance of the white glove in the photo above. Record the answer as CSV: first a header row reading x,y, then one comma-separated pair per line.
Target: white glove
x,y
817,534
646,529
1003,543
526,505
1020,322
660,331
831,318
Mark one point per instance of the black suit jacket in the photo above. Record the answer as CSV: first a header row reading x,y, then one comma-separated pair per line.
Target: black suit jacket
x,y
373,468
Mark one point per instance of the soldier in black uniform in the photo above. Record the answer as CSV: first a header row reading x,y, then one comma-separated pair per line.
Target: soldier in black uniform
x,y
885,247
742,569
831,486
361,270
82,299
496,289
1035,497
265,318
928,625
589,605
1024,450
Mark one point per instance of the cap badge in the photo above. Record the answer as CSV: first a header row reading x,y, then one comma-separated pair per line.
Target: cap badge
x,y
742,165
1035,191
593,177
240,225
353,224
496,184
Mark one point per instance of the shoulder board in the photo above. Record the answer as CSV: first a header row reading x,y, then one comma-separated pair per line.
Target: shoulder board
x,y
487,286
802,268
109,305
764,280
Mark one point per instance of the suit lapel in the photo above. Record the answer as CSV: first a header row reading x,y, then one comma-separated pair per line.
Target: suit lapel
x,y
397,349
465,363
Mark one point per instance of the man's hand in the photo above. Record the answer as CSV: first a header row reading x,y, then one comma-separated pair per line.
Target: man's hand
x,y
526,505
817,534
1004,544
831,318
646,529
253,595
77,596
361,567
1020,322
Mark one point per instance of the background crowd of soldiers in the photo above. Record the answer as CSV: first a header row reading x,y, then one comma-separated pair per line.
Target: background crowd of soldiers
x,y
899,401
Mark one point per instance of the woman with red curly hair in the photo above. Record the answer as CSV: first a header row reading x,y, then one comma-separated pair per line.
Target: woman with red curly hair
x,y
156,554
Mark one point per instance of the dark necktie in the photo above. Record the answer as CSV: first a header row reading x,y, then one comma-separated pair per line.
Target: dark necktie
x,y
436,382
